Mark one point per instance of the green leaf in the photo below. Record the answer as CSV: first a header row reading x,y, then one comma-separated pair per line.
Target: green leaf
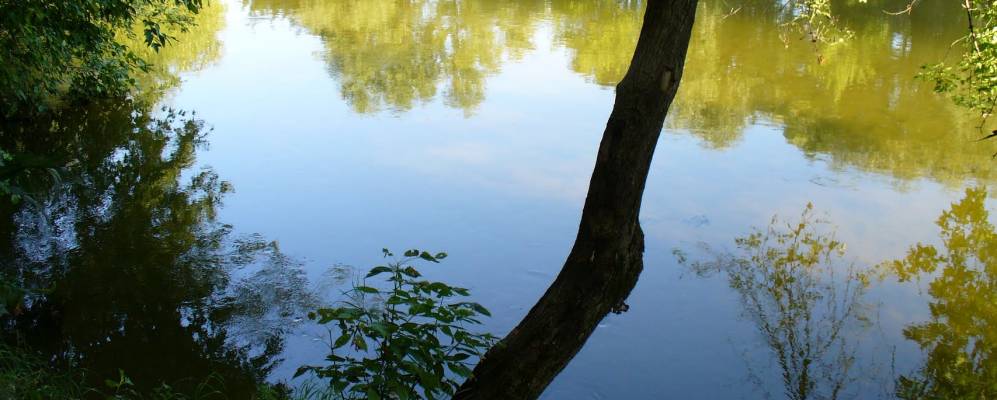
x,y
302,370
428,257
426,378
481,309
359,342
366,289
438,287
377,270
381,328
342,340
348,313
401,393
459,369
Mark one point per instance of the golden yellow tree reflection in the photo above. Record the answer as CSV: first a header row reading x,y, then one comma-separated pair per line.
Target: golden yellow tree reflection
x,y
396,54
190,50
860,107
805,301
961,337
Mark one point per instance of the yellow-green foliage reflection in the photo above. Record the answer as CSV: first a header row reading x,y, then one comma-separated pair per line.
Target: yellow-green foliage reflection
x,y
191,50
395,54
862,106
805,300
961,337
855,102
601,35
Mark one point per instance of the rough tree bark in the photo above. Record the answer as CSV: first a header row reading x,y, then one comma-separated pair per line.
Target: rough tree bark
x,y
607,256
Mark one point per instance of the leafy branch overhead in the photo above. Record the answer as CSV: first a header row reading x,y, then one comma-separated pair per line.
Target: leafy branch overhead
x,y
972,80
52,49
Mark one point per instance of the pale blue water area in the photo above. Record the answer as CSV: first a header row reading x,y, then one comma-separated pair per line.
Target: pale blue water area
x,y
500,188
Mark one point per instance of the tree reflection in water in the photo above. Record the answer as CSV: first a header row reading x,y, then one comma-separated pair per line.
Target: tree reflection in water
x,y
960,338
809,305
862,107
805,301
128,266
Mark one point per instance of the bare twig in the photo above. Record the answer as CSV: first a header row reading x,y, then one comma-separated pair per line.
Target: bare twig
x,y
907,10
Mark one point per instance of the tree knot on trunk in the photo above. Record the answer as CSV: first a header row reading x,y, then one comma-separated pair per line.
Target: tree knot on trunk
x,y
668,80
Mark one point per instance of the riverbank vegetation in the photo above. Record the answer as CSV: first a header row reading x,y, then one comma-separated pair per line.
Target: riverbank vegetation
x,y
57,52
406,340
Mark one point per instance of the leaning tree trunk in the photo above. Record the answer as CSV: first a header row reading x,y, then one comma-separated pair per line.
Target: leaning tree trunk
x,y
607,256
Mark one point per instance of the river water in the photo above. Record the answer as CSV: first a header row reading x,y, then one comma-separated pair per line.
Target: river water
x,y
330,129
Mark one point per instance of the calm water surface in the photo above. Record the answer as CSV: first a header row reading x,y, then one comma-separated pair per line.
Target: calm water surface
x,y
334,128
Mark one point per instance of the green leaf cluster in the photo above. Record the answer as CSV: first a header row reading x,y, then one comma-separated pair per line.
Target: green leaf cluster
x,y
52,50
25,375
409,340
815,22
12,296
971,81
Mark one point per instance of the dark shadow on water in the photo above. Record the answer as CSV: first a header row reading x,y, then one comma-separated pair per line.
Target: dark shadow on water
x,y
124,260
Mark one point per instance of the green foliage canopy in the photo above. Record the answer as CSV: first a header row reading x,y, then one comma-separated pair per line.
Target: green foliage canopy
x,y
50,49
971,81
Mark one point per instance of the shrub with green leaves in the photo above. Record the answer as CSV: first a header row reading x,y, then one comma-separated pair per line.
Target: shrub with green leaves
x,y
7,190
408,340
53,48
26,376
11,295
972,80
